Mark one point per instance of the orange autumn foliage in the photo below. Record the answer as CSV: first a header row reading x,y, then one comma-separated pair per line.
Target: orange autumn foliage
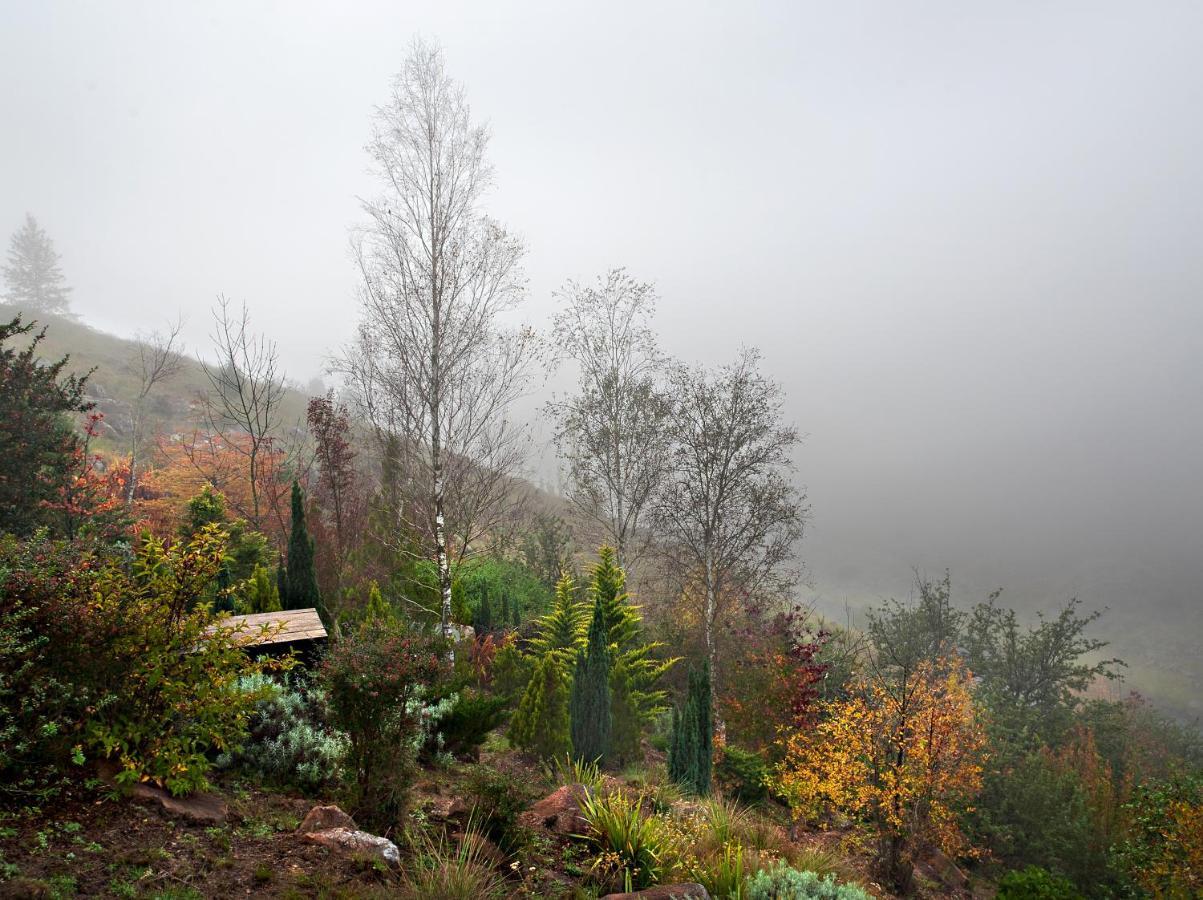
x,y
184,466
906,757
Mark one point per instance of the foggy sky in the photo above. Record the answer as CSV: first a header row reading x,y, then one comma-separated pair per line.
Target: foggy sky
x,y
966,236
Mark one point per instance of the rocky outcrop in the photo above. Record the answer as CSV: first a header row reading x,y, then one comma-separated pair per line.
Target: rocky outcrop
x,y
356,843
323,818
558,812
199,809
329,826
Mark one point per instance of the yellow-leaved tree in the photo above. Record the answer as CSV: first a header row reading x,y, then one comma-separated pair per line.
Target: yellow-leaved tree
x,y
901,751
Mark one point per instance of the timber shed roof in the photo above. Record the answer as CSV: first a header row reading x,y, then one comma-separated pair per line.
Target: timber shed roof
x,y
286,627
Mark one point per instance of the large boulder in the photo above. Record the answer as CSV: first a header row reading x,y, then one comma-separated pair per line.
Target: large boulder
x,y
685,891
559,811
323,818
198,809
356,843
329,826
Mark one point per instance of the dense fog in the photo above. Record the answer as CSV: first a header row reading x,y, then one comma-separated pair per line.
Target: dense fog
x,y
966,239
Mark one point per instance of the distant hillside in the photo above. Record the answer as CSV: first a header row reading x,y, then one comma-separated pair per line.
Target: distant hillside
x,y
114,383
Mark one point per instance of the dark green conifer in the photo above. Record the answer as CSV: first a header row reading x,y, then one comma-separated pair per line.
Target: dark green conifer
x,y
300,579
691,744
589,707
541,723
281,582
482,617
705,732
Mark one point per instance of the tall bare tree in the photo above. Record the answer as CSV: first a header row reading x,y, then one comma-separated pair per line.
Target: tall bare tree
x,y
246,384
730,516
433,362
613,433
159,359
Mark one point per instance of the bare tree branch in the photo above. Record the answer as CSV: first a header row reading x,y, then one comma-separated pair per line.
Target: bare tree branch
x,y
159,360
432,364
246,391
613,433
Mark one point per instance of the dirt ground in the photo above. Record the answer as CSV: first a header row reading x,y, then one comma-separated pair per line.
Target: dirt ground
x,y
88,843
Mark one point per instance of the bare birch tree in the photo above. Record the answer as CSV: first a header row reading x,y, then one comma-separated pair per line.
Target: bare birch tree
x,y
159,359
247,389
433,364
613,433
730,516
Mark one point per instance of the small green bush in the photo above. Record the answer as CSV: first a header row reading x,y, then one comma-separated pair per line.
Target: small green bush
x,y
451,871
743,775
468,722
289,742
1035,883
781,882
568,770
375,681
497,799
635,844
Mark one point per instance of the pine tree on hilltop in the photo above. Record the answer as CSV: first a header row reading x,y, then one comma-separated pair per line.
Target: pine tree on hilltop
x,y
589,707
33,280
300,579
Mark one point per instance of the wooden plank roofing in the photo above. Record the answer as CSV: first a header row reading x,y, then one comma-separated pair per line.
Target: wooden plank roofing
x,y
286,627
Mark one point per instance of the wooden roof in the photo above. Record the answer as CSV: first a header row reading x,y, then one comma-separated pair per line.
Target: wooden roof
x,y
286,626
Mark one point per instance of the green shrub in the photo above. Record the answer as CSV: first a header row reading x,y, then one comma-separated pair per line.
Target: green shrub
x,y
41,697
168,669
289,743
374,681
460,871
743,775
626,721
1163,852
540,724
120,657
464,727
511,670
781,882
497,799
495,594
1035,883
634,845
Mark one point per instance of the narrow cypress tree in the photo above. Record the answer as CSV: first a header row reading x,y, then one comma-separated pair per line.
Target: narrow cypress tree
x,y
300,578
691,744
482,619
705,732
590,704
676,749
282,583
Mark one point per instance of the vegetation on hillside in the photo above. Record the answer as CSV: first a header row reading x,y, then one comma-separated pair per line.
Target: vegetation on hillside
x,y
679,716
